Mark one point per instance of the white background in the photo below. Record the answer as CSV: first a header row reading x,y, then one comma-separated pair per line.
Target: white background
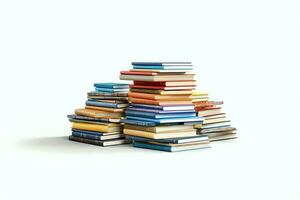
x,y
245,53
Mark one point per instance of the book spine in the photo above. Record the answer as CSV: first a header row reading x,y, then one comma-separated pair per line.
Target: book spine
x,y
88,136
101,104
151,146
139,114
84,140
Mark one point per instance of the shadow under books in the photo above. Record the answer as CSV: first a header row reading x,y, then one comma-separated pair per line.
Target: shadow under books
x,y
62,144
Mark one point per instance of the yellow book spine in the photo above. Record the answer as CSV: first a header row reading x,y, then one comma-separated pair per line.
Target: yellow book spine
x,y
90,127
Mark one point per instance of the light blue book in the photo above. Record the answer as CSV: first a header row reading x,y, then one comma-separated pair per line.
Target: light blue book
x,y
105,104
158,116
111,90
169,148
111,85
168,120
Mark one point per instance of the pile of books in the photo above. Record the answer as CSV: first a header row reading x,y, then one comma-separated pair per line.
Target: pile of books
x,y
215,125
161,113
99,122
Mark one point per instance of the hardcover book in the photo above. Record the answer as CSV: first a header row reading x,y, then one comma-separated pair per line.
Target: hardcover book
x,y
99,142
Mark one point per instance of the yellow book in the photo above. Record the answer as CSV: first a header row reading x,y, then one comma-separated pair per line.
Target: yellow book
x,y
159,129
97,127
198,93
160,135
119,110
97,113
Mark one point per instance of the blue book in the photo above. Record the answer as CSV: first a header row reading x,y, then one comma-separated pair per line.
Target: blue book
x,y
111,90
105,104
87,132
158,116
138,123
169,148
111,85
181,140
168,120
96,137
163,67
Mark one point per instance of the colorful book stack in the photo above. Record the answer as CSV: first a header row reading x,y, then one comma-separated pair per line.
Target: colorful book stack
x,y
99,122
161,114
215,125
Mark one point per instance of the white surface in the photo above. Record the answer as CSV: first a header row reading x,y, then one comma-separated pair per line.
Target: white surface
x,y
246,53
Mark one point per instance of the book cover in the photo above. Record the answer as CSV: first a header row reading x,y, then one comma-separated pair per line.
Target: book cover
x,y
168,120
97,137
158,77
160,63
192,132
162,92
159,102
131,108
177,107
160,129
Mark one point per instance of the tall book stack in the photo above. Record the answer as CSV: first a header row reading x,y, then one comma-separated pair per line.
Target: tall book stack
x,y
215,125
99,122
161,114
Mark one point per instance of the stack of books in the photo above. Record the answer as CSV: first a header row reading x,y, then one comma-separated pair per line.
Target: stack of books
x,y
99,122
161,114
215,125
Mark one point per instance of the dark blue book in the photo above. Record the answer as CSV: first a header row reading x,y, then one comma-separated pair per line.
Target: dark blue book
x,y
111,85
105,104
181,140
99,142
138,123
170,148
87,119
159,63
96,137
158,116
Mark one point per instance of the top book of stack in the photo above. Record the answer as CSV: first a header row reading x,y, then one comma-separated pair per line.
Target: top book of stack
x,y
159,71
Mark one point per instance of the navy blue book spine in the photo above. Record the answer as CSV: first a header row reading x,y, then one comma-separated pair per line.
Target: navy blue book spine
x,y
146,63
88,136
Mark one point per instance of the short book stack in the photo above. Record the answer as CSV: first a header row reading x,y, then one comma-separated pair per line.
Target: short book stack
x,y
99,122
161,114
215,125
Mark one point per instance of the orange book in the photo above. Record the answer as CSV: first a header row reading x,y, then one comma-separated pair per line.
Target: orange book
x,y
160,103
159,97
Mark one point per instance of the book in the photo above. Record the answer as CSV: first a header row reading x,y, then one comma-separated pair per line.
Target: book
x,y
110,94
168,120
160,63
177,107
146,134
138,122
95,132
105,104
97,137
97,113
162,92
184,71
212,111
181,140
166,83
99,142
161,147
158,116
111,90
95,122
97,127
98,97
117,110
131,108
159,97
215,120
91,119
214,125
159,129
167,88
111,85
158,77
216,129
159,102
